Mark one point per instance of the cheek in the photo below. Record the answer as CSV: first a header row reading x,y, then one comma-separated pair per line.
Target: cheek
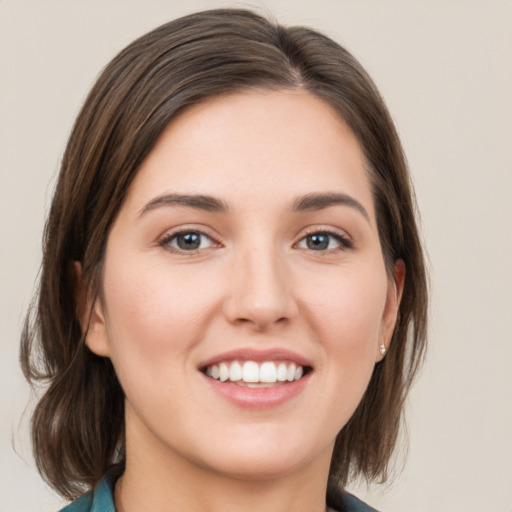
x,y
346,319
348,308
155,317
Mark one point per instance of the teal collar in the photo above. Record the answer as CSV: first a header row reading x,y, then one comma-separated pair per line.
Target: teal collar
x,y
100,499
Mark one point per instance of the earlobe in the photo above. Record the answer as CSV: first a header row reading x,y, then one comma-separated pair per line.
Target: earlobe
x,y
390,315
90,314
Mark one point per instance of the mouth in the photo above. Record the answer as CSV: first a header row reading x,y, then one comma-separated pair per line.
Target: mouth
x,y
253,374
257,379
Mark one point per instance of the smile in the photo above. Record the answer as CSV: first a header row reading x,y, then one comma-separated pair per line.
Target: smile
x,y
257,379
253,374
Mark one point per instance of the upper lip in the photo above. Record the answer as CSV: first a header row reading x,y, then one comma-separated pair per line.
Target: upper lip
x,y
256,355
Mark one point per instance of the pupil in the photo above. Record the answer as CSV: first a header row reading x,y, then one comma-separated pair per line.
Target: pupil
x,y
189,241
318,241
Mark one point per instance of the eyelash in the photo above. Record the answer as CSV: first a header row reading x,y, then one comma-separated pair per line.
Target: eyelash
x,y
165,242
344,242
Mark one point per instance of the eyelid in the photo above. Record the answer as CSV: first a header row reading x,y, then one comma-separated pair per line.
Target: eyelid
x,y
343,238
163,241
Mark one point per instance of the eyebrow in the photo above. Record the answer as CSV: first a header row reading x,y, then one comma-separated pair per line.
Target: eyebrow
x,y
319,201
200,202
308,202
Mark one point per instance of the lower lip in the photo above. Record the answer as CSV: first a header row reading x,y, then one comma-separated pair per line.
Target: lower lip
x,y
258,398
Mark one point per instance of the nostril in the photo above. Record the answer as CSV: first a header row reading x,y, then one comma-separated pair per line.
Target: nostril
x,y
261,325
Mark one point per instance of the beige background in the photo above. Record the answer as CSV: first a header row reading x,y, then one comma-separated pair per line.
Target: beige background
x,y
445,68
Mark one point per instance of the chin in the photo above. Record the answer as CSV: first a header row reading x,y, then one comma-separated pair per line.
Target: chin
x,y
258,467
265,457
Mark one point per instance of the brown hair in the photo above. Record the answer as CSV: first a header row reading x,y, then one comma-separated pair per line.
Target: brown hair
x,y
78,424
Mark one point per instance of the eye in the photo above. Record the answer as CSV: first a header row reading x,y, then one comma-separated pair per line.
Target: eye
x,y
187,241
324,241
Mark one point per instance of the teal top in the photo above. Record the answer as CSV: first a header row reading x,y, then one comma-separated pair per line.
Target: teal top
x,y
101,499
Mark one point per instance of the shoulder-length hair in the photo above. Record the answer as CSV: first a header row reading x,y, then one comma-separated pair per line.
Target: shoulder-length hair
x,y
78,424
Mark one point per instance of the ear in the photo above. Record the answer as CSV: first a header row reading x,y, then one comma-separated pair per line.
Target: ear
x,y
390,315
90,315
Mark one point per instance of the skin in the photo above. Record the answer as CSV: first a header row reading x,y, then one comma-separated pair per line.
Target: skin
x,y
253,283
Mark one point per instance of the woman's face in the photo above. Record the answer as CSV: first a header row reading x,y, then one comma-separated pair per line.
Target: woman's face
x,y
245,254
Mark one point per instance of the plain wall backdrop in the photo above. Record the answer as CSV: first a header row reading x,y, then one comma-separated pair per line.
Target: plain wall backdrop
x,y
445,70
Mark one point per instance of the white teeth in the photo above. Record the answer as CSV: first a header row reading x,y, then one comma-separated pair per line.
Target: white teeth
x,y
223,372
268,372
291,372
252,373
282,372
235,372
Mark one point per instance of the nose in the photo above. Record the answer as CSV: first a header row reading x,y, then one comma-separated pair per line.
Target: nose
x,y
260,291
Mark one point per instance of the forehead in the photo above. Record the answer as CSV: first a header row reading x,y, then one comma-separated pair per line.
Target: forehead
x,y
263,146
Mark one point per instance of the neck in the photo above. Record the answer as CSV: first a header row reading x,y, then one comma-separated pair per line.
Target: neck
x,y
213,495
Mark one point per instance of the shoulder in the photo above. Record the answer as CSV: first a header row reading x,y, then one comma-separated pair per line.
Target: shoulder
x,y
346,502
100,499
82,504
353,504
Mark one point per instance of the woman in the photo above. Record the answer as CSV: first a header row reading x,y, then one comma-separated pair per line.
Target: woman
x,y
233,294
